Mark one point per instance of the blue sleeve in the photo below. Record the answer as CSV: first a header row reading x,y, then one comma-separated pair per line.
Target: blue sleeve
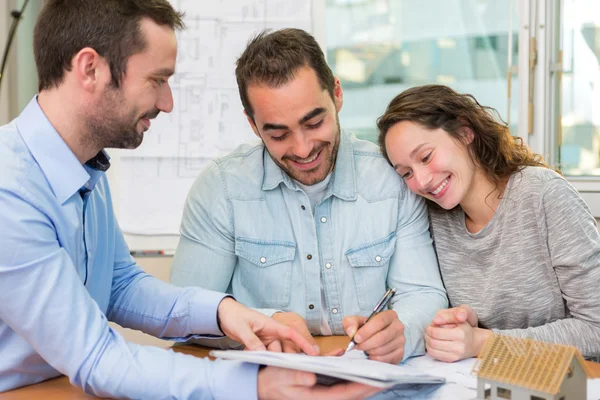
x,y
414,271
205,256
141,301
43,300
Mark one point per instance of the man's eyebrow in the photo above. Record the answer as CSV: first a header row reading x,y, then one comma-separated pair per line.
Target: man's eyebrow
x,y
312,114
273,127
164,72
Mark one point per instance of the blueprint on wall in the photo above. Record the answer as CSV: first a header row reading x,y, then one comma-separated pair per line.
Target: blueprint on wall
x,y
207,119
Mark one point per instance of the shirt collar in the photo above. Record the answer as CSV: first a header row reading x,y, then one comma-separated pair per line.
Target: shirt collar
x,y
343,180
64,172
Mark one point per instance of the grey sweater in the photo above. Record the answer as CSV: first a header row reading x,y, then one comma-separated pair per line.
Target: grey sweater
x,y
534,269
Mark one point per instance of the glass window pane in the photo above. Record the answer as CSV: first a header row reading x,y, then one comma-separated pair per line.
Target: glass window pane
x,y
580,118
379,48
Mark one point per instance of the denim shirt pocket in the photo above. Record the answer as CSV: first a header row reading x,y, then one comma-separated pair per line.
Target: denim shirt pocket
x,y
266,270
370,265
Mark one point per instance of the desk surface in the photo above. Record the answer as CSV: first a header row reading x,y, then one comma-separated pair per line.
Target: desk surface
x,y
60,388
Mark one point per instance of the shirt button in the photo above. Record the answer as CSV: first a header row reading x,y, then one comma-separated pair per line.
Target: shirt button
x,y
378,258
311,306
328,265
334,310
323,219
309,256
263,260
302,207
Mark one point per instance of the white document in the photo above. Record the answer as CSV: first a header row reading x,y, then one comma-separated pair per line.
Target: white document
x,y
350,368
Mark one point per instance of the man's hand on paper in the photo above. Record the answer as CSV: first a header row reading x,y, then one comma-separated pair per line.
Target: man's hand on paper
x,y
296,322
257,331
382,338
279,383
453,334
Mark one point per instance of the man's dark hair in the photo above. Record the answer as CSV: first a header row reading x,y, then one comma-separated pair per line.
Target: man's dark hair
x,y
111,27
273,58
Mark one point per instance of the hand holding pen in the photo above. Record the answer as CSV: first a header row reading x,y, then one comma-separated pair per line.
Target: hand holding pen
x,y
381,335
387,296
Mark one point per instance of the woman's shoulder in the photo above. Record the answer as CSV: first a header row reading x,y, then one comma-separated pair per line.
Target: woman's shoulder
x,y
534,179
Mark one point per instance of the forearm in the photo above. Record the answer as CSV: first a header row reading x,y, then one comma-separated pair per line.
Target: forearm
x,y
151,373
570,331
97,358
416,312
164,310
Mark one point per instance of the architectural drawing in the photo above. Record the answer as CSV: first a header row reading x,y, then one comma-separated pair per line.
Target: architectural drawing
x,y
207,120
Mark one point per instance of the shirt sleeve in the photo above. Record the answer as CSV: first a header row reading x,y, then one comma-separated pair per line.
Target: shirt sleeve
x,y
143,302
43,300
205,255
569,229
415,273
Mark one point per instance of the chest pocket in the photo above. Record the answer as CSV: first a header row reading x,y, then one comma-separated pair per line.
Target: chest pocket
x,y
370,264
265,269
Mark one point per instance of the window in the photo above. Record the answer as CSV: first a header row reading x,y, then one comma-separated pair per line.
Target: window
x,y
504,393
579,89
378,48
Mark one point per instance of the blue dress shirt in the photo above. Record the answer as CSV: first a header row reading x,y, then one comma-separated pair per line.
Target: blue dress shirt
x,y
65,270
249,229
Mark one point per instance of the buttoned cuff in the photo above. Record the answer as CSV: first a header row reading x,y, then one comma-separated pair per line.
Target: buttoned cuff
x,y
412,347
203,307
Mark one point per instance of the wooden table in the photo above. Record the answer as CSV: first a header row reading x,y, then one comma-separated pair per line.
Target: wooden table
x,y
60,388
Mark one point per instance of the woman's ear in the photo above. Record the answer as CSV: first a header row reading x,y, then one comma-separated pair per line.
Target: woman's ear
x,y
467,135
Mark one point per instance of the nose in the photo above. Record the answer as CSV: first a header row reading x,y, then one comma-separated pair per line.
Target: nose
x,y
423,179
165,99
302,145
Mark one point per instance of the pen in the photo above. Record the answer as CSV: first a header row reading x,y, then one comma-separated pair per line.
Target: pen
x,y
378,308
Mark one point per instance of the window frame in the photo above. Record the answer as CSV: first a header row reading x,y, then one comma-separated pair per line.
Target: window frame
x,y
546,126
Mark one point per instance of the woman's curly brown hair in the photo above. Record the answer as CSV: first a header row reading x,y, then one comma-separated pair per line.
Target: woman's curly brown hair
x,y
436,106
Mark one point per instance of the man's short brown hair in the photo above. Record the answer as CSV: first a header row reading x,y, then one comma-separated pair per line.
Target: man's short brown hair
x,y
273,58
111,27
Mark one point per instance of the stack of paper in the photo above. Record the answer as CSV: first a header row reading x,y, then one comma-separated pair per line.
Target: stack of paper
x,y
373,373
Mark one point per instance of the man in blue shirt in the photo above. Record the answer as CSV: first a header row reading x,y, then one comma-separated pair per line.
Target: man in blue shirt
x,y
65,268
310,225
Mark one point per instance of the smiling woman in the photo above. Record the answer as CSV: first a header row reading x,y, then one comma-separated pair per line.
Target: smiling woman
x,y
518,248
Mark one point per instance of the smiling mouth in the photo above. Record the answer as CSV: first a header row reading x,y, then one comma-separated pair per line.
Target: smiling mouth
x,y
308,160
309,163
145,123
440,187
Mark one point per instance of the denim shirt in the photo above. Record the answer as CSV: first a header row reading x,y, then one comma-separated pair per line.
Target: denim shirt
x,y
248,229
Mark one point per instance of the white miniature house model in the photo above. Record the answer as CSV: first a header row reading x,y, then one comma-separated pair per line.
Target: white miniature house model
x,y
525,369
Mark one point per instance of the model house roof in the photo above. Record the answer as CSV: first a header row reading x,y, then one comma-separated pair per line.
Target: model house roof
x,y
527,363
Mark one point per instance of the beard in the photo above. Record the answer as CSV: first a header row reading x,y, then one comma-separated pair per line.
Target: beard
x,y
112,125
320,172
